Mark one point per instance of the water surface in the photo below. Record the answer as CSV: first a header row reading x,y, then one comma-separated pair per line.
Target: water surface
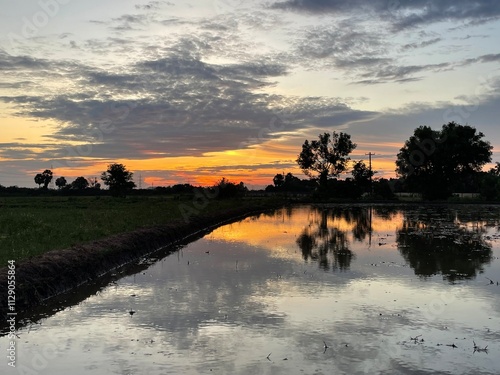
x,y
339,290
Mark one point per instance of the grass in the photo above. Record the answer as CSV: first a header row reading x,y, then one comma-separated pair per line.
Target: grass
x,y
30,226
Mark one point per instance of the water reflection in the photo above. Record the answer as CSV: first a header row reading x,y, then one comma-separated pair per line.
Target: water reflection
x,y
444,243
432,240
326,245
222,304
329,232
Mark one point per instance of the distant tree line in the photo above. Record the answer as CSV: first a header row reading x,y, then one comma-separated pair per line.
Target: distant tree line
x,y
432,163
120,183
116,177
290,184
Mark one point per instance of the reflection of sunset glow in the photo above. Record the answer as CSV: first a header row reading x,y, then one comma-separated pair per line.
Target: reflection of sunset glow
x,y
279,232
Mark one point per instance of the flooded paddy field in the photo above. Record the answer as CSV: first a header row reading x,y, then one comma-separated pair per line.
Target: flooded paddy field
x,y
352,289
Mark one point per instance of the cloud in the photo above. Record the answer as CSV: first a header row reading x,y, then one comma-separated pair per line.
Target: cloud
x,y
391,73
153,5
422,44
176,105
320,6
129,22
342,42
490,58
478,111
346,47
158,82
402,14
20,63
364,56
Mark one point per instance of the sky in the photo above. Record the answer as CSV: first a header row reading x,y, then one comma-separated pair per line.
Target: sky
x,y
193,91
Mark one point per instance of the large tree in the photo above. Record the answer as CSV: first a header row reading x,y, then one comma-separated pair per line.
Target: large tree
x,y
118,178
80,183
437,162
327,156
61,182
44,178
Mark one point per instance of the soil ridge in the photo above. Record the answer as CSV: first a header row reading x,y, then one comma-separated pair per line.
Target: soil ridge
x,y
59,271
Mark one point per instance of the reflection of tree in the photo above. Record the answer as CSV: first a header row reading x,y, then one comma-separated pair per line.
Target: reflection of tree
x,y
358,217
433,245
361,218
328,246
387,212
339,245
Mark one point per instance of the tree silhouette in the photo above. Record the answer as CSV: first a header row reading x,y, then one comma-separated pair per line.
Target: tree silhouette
x,y
47,177
327,156
435,163
44,178
496,170
278,180
39,180
362,176
226,189
118,179
490,186
61,182
80,183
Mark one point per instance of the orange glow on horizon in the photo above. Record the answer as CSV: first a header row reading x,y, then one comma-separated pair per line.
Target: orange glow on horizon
x,y
254,165
207,170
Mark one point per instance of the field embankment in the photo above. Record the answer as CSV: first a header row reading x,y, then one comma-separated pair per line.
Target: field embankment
x,y
92,236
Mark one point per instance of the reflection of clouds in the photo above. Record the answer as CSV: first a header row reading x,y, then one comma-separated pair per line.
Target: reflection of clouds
x,y
214,314
210,288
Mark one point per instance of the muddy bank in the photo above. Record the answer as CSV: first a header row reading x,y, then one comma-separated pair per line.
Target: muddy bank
x,y
41,278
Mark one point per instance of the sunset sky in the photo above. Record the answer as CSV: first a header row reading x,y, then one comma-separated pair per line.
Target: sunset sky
x,y
193,91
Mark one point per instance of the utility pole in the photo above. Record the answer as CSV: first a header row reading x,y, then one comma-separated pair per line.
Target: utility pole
x,y
370,154
51,185
140,181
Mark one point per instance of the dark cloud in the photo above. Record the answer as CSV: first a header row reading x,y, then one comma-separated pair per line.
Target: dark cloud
x,y
483,59
364,56
65,35
391,73
403,14
153,5
321,6
341,42
129,22
177,105
19,63
422,44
